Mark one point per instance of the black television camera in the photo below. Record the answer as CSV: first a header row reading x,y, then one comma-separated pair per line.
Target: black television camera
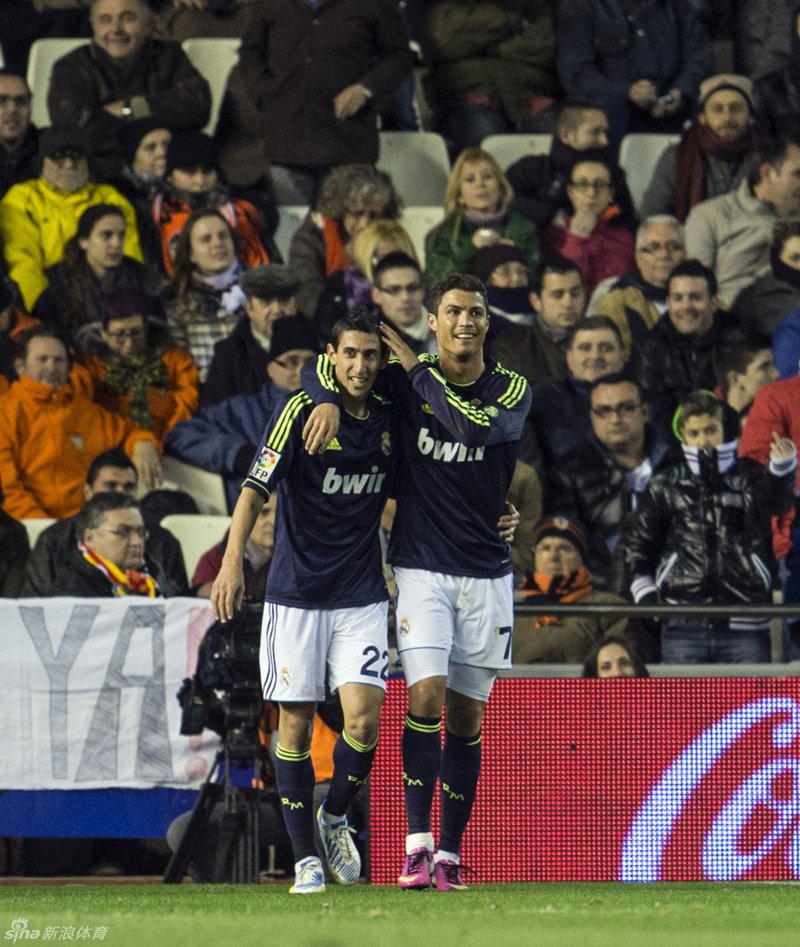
x,y
227,662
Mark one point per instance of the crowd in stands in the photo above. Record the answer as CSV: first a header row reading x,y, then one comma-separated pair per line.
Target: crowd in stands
x,y
146,309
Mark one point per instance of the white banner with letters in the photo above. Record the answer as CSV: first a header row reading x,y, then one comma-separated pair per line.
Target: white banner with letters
x,y
87,699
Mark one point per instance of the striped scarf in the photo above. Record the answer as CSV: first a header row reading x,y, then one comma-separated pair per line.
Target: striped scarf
x,y
555,589
123,583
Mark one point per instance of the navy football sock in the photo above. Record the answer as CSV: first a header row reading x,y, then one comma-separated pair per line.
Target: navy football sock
x,y
422,759
352,762
294,774
461,767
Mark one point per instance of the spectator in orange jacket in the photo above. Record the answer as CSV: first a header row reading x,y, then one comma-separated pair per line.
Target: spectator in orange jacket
x,y
155,385
192,183
50,434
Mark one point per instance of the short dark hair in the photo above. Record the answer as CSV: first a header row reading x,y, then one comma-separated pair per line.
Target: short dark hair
x,y
771,151
699,402
92,512
695,270
590,665
618,378
10,74
594,324
734,353
360,319
783,231
115,457
463,281
395,260
552,264
40,332
570,113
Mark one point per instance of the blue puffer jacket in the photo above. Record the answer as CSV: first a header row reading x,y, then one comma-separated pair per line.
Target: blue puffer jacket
x,y
223,432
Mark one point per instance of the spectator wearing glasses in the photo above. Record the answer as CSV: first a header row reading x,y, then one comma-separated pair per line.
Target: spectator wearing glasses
x,y
134,373
111,472
599,481
398,289
637,300
592,232
107,561
39,216
19,140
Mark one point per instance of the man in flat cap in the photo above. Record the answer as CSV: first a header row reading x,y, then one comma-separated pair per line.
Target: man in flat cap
x,y
710,158
239,365
39,216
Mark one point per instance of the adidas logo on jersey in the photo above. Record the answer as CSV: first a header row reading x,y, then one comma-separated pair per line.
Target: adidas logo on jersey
x,y
334,445
448,451
353,483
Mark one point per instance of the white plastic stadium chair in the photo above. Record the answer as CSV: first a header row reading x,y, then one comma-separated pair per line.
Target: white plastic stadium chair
x,y
44,53
206,488
638,157
290,217
34,527
213,58
417,163
417,222
196,534
506,149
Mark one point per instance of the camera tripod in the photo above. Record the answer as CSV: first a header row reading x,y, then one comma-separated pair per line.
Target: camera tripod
x,y
236,860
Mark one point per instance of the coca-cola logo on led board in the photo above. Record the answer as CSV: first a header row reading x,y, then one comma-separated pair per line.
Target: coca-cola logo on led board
x,y
643,780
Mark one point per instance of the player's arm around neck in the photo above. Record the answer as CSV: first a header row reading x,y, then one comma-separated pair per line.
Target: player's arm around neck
x,y
227,591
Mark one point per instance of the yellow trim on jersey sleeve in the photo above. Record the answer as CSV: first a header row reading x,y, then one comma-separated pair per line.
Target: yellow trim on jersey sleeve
x,y
283,426
474,414
325,373
516,388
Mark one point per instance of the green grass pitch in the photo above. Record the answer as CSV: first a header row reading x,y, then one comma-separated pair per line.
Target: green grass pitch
x,y
545,915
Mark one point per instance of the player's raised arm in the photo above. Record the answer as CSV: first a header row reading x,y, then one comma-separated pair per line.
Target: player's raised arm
x,y
227,591
318,381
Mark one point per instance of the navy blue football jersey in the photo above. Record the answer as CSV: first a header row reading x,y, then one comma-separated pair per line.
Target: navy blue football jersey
x,y
459,446
327,550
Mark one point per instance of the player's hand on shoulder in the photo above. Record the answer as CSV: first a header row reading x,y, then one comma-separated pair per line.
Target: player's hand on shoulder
x,y
321,428
404,352
227,591
508,523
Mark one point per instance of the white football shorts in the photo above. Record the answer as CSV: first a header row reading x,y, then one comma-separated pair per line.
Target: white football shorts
x,y
300,647
451,626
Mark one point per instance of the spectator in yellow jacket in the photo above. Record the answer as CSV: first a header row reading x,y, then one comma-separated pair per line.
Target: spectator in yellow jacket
x,y
38,216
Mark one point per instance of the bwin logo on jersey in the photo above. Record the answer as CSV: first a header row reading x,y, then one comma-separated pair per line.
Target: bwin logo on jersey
x,y
371,482
448,451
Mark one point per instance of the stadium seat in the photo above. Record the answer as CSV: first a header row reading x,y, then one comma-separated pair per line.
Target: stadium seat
x,y
418,164
289,219
34,527
207,489
213,58
45,52
506,149
196,534
418,221
638,157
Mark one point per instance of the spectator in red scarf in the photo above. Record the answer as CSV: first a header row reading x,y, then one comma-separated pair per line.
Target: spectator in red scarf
x,y
559,578
711,157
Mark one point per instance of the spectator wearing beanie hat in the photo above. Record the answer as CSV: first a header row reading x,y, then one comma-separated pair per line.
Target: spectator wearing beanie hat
x,y
713,153
239,365
192,182
559,578
504,271
137,375
222,438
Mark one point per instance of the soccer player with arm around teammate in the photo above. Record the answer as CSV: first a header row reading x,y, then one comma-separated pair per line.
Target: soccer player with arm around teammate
x,y
460,417
326,601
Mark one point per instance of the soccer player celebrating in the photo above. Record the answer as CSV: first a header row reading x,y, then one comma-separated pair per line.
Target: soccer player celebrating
x,y
460,418
326,600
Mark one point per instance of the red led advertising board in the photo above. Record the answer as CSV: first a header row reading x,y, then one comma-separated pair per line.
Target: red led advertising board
x,y
622,780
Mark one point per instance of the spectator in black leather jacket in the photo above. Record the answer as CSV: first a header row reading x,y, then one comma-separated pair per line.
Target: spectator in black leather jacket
x,y
701,535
